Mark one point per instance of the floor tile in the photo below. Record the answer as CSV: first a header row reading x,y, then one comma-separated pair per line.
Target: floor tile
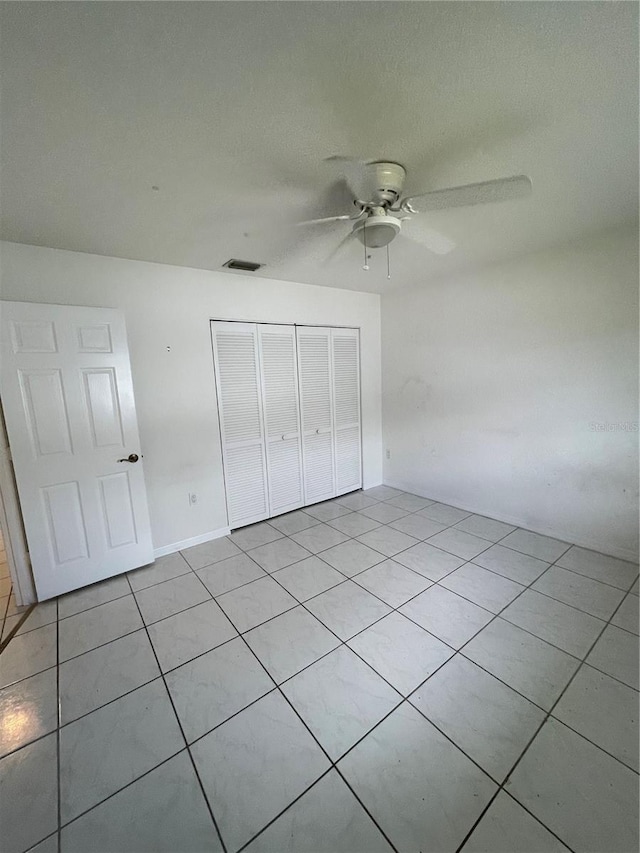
x,y
90,596
92,628
293,522
392,582
210,552
255,535
164,812
382,493
9,624
384,513
446,615
417,526
412,503
5,586
230,574
28,710
308,578
535,545
327,819
507,828
489,721
319,538
255,602
444,513
327,510
627,615
635,588
164,569
103,674
210,689
290,642
29,795
400,651
347,609
356,500
269,759
354,524
593,597
599,567
604,711
387,541
186,635
352,557
583,795
459,543
165,599
512,564
489,590
565,627
529,665
276,555
486,528
43,614
28,654
429,561
107,749
616,653
340,698
420,805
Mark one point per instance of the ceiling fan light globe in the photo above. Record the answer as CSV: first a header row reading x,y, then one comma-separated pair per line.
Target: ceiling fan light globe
x,y
377,231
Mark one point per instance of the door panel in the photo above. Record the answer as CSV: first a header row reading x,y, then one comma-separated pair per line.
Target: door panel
x,y
68,402
316,409
235,350
281,416
345,354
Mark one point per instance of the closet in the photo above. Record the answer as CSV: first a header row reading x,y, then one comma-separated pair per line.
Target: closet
x,y
289,407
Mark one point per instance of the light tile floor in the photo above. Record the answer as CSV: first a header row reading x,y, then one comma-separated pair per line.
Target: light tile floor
x,y
380,672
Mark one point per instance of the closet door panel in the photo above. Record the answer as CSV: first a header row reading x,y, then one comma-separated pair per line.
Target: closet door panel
x,y
316,409
345,354
281,417
235,348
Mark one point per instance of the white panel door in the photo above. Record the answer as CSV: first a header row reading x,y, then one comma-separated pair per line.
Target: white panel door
x,y
316,410
345,358
278,365
68,402
237,368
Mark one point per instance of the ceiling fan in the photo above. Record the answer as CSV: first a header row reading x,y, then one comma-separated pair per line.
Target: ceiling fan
x,y
381,212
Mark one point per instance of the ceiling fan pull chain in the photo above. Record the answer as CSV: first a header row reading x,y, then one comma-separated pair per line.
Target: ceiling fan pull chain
x,y
388,263
364,243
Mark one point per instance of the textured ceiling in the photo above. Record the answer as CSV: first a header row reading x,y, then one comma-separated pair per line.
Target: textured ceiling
x,y
230,109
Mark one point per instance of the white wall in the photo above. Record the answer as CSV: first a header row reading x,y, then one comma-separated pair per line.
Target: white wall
x,y
167,306
491,384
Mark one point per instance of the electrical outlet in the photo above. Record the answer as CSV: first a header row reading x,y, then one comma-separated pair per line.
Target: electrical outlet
x,y
388,453
193,499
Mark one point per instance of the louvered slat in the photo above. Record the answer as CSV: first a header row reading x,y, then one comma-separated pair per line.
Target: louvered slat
x,y
235,347
282,417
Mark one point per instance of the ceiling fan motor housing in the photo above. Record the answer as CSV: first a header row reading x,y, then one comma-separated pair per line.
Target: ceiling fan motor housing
x,y
383,182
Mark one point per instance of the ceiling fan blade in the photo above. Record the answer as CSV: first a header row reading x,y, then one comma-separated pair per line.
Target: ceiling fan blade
x,y
486,192
323,220
340,247
431,239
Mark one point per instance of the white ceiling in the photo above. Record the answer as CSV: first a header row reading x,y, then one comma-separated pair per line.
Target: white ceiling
x,y
231,108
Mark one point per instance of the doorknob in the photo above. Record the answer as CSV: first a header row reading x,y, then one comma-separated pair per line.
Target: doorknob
x,y
132,457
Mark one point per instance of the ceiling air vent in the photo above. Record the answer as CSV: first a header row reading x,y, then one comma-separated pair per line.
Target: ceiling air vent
x,y
245,266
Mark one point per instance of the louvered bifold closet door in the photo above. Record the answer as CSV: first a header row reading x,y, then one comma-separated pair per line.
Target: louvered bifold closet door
x,y
345,356
316,410
235,349
281,417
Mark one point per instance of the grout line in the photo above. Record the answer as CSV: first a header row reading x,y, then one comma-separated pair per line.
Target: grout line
x,y
179,722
